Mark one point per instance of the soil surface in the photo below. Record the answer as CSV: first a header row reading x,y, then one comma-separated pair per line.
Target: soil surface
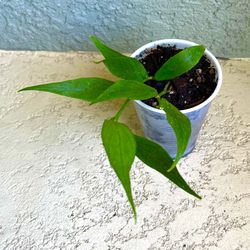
x,y
185,91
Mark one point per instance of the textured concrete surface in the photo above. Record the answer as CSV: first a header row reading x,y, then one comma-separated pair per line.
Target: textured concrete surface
x,y
58,191
221,25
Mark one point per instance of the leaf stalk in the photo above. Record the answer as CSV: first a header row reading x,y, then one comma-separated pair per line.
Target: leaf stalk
x,y
123,106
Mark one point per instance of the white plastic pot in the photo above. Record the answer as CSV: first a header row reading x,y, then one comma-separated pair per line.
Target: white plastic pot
x,y
153,120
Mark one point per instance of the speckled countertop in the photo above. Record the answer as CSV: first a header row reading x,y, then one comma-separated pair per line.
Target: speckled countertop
x,y
58,191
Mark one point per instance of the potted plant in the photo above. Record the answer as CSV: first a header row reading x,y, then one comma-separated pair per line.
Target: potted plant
x,y
192,92
161,77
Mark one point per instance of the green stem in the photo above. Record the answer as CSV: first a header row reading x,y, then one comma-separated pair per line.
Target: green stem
x,y
149,78
118,114
164,91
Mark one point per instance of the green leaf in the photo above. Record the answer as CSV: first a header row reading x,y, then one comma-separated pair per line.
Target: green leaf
x,y
87,89
120,147
127,89
127,68
180,63
155,156
120,65
104,49
181,126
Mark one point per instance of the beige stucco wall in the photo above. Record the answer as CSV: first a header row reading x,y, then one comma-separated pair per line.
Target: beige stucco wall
x,y
58,191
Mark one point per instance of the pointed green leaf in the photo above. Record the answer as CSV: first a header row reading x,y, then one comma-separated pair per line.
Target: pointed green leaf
x,y
127,68
181,126
180,63
120,147
104,49
127,89
120,65
156,157
87,89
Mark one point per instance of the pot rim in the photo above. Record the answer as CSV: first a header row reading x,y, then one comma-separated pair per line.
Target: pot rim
x,y
182,44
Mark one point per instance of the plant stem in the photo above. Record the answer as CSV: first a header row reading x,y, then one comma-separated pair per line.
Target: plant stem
x,y
149,78
164,91
118,114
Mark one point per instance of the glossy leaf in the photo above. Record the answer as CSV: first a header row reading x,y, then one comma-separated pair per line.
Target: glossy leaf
x,y
127,68
180,63
120,147
128,89
87,89
156,157
120,65
181,126
104,49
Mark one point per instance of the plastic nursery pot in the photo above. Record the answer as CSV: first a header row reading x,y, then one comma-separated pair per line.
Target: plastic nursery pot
x,y
153,120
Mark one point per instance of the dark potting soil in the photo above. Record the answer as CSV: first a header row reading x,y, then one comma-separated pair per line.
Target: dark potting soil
x,y
187,90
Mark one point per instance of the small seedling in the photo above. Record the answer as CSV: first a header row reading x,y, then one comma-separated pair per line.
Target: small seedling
x,y
120,143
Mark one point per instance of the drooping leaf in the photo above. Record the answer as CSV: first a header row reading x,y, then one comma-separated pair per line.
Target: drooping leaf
x,y
87,89
120,65
156,157
180,63
120,147
127,89
104,49
127,68
181,126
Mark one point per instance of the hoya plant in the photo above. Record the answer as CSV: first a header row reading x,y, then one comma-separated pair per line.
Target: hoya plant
x,y
120,143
